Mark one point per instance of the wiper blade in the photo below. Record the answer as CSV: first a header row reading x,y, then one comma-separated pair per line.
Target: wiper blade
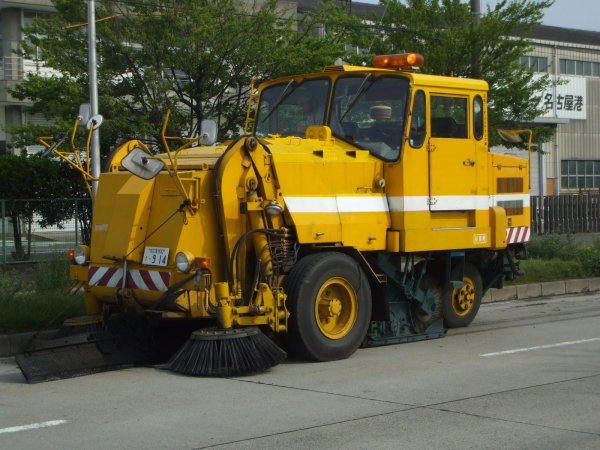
x,y
285,94
361,89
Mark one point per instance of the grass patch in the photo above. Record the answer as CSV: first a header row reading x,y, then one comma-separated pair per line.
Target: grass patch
x,y
33,297
558,257
541,270
552,246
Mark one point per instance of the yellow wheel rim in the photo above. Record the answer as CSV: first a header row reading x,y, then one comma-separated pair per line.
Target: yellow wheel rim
x,y
463,298
336,308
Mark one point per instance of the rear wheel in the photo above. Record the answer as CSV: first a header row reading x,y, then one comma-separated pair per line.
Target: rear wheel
x,y
329,300
424,321
460,305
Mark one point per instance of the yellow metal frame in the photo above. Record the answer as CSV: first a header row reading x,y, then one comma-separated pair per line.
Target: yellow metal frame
x,y
251,111
172,169
82,166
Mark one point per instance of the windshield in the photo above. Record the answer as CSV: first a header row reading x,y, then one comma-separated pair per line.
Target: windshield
x,y
370,112
288,108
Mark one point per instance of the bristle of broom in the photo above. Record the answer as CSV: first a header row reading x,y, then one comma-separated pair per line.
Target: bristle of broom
x,y
226,353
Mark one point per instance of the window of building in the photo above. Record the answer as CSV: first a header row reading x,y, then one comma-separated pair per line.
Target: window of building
x,y
584,68
577,174
535,63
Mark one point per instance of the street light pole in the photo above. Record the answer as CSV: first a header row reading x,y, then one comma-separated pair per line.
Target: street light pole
x,y
93,81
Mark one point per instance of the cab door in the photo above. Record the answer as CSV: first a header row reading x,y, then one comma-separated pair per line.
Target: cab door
x,y
452,155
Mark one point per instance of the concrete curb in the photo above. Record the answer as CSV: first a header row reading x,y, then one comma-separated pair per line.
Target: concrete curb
x,y
12,344
536,290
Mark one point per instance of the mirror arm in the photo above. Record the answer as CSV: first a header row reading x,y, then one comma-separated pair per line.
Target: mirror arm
x,y
172,167
42,140
88,146
73,134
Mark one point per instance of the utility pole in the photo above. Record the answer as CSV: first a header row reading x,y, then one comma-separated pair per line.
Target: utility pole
x,y
476,11
93,81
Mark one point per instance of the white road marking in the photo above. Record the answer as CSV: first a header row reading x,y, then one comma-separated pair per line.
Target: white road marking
x,y
538,347
33,426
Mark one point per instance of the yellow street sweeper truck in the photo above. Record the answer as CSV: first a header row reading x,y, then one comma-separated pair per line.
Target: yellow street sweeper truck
x,y
362,208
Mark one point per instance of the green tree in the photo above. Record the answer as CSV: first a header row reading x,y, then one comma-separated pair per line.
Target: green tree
x,y
34,185
195,57
447,34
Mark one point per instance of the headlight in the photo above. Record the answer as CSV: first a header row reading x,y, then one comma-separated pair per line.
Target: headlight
x,y
81,254
184,260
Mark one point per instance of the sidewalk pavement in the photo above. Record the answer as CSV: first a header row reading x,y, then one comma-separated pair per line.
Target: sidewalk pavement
x,y
11,344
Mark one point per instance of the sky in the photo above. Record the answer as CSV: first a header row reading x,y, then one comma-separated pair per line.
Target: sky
x,y
577,14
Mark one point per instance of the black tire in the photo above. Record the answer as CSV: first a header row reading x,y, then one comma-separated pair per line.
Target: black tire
x,y
329,300
460,305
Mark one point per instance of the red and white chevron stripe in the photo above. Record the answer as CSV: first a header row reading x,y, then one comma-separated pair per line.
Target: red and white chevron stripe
x,y
149,280
517,234
105,276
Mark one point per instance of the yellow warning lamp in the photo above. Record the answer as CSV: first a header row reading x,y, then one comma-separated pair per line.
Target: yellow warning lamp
x,y
397,61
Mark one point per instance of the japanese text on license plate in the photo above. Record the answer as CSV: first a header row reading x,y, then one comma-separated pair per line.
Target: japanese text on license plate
x,y
155,256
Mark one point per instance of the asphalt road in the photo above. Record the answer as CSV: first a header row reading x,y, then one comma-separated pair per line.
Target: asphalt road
x,y
526,374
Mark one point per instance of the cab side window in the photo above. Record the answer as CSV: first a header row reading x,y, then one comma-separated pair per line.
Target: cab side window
x,y
419,119
478,117
449,117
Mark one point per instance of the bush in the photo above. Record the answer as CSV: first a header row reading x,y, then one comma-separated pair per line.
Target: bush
x,y
33,297
540,270
550,246
9,286
590,260
52,276
35,312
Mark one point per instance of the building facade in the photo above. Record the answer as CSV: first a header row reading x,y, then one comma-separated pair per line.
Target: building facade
x,y
571,160
13,17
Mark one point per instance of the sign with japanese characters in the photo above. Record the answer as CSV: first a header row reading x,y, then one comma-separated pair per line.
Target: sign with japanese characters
x,y
566,100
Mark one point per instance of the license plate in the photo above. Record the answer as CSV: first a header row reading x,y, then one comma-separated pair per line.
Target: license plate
x,y
155,256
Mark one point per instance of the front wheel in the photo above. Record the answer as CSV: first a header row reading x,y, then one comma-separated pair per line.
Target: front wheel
x,y
460,304
329,300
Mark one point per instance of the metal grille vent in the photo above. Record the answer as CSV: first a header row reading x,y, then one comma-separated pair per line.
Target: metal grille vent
x,y
509,185
512,207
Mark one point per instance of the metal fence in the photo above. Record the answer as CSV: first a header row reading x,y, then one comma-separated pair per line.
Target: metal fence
x,y
26,235
565,214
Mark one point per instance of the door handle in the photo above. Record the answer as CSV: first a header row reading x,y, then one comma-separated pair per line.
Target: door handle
x,y
468,162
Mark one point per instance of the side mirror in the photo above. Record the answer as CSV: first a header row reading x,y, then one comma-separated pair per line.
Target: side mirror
x,y
96,120
85,113
510,136
208,132
141,164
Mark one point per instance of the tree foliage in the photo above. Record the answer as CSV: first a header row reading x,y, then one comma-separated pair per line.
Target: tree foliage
x,y
195,57
446,33
36,186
